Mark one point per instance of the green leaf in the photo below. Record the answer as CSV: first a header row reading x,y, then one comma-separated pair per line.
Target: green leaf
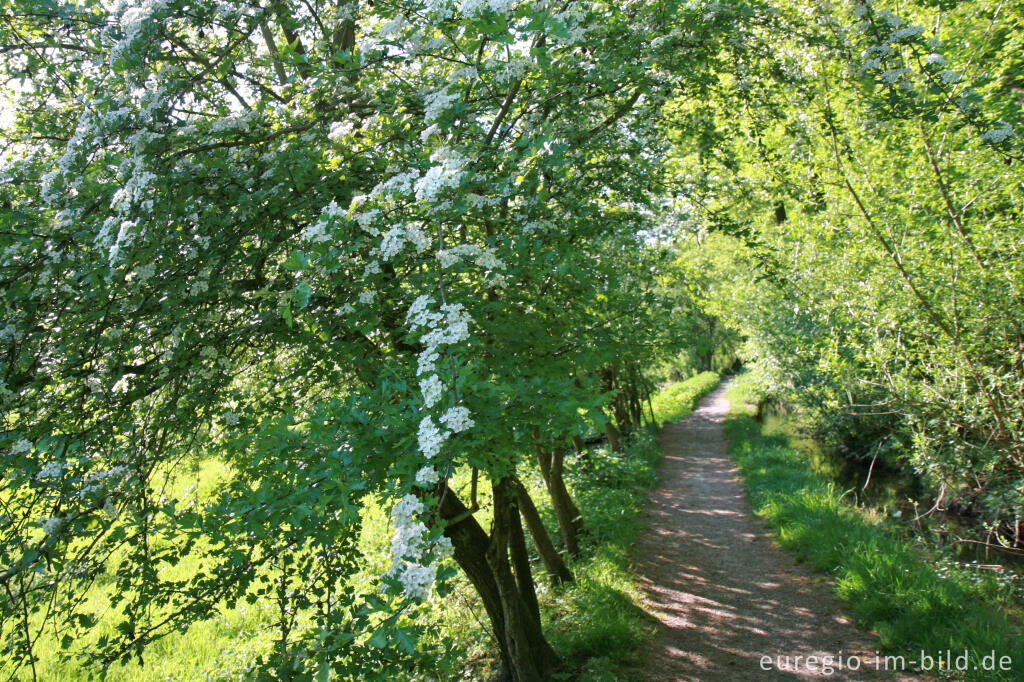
x,y
378,640
298,260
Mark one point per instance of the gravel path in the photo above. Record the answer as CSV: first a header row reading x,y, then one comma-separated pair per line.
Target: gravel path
x,y
722,594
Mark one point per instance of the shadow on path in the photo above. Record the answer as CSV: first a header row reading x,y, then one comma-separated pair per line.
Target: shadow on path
x,y
722,595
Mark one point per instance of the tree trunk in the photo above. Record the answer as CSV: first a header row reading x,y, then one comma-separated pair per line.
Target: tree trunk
x,y
566,511
581,447
614,437
569,517
520,557
525,654
469,542
553,564
532,657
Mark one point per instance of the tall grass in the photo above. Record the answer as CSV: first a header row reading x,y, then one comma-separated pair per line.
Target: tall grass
x,y
891,585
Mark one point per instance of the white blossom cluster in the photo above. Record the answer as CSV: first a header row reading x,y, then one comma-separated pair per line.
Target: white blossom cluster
x,y
397,237
409,546
457,419
96,481
432,389
430,437
427,476
484,257
52,469
341,129
894,75
474,7
439,326
437,102
908,31
51,525
317,232
134,17
21,447
440,8
1000,134
447,171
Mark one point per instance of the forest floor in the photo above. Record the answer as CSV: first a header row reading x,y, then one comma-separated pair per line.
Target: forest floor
x,y
722,594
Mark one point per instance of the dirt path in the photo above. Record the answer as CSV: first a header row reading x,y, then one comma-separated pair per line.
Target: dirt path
x,y
722,594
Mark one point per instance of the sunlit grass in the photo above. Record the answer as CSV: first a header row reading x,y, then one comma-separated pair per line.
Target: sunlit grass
x,y
891,585
678,399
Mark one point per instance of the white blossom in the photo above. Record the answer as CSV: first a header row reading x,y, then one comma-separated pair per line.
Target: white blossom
x,y
432,390
906,32
427,361
392,243
420,314
447,173
893,75
457,419
417,580
997,135
341,129
430,437
406,508
50,470
427,476
51,525
436,103
21,447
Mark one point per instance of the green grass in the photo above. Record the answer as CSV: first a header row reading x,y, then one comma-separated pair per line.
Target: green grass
x,y
598,622
678,399
891,585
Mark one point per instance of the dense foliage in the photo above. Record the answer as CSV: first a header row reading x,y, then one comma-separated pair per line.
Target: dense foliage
x,y
344,249
865,160
376,255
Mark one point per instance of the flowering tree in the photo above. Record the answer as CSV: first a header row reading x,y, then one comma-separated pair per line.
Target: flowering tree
x,y
341,247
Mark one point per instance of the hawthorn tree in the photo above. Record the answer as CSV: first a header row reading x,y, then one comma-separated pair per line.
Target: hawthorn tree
x,y
307,239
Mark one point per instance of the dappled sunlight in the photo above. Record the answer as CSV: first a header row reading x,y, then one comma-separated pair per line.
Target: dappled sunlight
x,y
722,596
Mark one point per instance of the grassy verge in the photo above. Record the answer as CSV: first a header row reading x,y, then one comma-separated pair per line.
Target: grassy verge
x,y
676,400
891,585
